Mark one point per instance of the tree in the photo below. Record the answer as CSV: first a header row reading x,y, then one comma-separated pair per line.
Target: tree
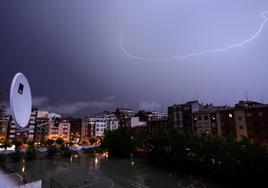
x,y
60,141
118,142
17,143
16,156
93,140
50,142
52,151
2,158
31,153
66,152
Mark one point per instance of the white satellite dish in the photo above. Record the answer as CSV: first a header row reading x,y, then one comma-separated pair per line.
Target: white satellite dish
x,y
20,100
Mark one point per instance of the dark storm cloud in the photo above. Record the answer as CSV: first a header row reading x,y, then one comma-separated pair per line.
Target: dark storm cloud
x,y
70,51
71,108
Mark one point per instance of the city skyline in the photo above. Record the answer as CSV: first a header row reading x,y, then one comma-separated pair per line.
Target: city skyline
x,y
72,53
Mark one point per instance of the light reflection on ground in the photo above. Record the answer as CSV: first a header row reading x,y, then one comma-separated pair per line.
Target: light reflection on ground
x,y
100,172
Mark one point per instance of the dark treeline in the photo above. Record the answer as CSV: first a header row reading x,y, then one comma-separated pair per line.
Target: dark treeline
x,y
223,160
54,149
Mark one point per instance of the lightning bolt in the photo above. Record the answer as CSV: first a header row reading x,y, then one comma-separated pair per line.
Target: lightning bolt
x,y
196,54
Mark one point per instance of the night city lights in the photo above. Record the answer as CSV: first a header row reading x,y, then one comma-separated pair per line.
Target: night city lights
x,y
123,93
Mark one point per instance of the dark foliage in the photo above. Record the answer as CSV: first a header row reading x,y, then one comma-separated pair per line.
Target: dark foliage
x,y
224,160
65,152
210,156
60,141
49,142
16,156
119,143
17,143
31,154
2,158
52,151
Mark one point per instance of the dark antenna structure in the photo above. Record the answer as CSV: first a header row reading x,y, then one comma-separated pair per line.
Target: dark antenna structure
x,y
262,99
197,96
246,96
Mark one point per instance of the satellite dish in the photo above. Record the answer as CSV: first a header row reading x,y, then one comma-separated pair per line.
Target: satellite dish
x,y
20,100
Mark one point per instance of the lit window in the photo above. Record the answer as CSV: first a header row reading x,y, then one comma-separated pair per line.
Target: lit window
x,y
230,115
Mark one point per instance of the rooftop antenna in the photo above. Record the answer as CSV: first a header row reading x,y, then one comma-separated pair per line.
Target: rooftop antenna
x,y
262,100
197,96
246,96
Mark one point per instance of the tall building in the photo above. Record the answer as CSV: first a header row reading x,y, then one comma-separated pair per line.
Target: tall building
x,y
75,130
2,106
62,131
87,130
245,119
4,121
112,121
99,123
105,120
4,124
29,136
11,132
226,122
124,115
256,118
135,122
180,116
41,133
204,121
158,115
147,115
95,126
158,123
32,125
100,126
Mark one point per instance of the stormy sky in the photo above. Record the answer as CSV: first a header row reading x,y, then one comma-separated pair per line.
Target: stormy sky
x,y
84,56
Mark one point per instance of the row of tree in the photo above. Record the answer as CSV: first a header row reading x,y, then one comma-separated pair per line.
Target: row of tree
x,y
221,159
54,148
18,143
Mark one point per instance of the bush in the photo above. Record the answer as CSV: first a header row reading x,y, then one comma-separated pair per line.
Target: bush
x,y
205,155
119,142
17,143
52,151
93,140
66,152
16,156
31,144
2,158
60,141
49,142
31,154
214,156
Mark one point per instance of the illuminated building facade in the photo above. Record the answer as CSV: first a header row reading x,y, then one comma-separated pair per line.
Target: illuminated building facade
x,y
180,116
4,124
62,131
